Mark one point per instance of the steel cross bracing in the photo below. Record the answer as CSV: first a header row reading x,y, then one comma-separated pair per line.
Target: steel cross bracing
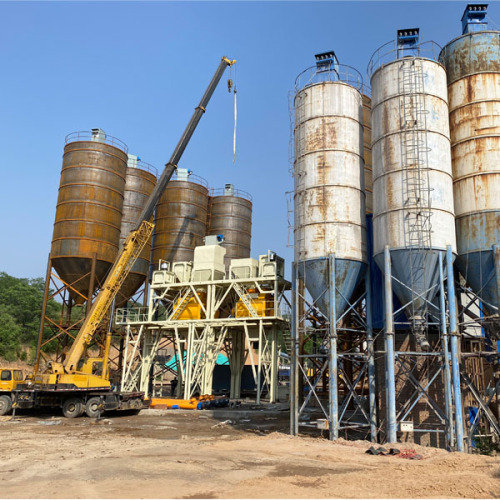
x,y
227,318
423,387
345,403
415,164
480,366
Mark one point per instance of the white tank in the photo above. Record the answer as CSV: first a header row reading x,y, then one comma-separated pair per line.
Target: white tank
x,y
329,184
413,211
390,209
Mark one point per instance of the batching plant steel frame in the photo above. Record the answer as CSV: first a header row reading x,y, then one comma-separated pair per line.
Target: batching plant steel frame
x,y
197,342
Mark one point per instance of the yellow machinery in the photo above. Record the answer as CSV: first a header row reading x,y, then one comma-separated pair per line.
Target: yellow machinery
x,y
194,403
262,304
79,386
68,372
9,379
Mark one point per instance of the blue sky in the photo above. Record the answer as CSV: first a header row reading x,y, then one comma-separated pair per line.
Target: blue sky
x,y
137,70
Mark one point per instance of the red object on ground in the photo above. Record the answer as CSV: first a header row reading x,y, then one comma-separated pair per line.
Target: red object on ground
x,y
410,455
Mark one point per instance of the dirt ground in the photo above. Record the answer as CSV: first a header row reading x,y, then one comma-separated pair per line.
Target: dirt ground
x,y
183,454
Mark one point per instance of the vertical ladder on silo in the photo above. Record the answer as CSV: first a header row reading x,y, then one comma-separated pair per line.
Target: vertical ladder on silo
x,y
416,186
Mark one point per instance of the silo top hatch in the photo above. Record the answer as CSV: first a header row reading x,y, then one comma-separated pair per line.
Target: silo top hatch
x,y
407,44
328,69
96,135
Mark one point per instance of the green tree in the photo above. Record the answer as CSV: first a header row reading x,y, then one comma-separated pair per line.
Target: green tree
x,y
10,334
21,302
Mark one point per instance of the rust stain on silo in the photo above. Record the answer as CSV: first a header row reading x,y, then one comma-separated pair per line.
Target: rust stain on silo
x,y
88,213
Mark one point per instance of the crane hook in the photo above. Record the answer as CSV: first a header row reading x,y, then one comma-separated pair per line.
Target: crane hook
x,y
229,85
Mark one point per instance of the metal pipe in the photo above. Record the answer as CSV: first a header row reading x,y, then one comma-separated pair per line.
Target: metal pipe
x,y
371,358
450,437
42,318
294,393
333,401
455,368
390,380
91,283
496,256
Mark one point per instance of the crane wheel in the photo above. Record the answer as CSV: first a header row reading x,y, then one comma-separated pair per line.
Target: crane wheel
x,y
73,408
5,404
93,407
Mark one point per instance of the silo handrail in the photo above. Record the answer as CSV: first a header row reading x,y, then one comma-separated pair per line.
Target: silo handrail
x,y
390,52
86,135
337,73
235,192
191,178
142,165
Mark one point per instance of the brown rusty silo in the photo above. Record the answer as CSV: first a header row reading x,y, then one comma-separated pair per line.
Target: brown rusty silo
x,y
181,218
230,214
367,150
140,181
89,209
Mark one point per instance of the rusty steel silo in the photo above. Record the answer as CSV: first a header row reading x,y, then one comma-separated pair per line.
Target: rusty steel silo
x,y
367,148
230,214
140,181
472,63
329,196
89,209
412,183
181,218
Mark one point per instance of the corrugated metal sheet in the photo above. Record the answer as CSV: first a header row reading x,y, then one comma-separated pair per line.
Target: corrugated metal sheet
x,y
181,221
231,216
329,188
89,211
139,184
473,65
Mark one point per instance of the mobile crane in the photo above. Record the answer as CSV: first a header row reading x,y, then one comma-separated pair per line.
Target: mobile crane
x,y
79,385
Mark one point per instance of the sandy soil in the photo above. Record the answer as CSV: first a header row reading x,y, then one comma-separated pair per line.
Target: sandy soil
x,y
180,454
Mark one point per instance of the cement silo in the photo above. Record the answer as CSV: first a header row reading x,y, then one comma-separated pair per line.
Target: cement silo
x,y
412,183
140,181
472,62
230,214
329,196
181,218
89,210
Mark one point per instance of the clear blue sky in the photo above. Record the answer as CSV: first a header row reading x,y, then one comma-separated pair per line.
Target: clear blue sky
x,y
137,70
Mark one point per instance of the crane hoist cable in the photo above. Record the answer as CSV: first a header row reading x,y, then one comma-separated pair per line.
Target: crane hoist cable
x,y
229,88
235,118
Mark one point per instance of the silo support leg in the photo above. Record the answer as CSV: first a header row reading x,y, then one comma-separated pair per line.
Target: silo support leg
x,y
371,359
455,368
496,255
294,386
332,357
450,436
390,379
236,364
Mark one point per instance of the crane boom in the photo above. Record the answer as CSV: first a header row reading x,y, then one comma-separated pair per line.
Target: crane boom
x,y
183,142
132,248
136,240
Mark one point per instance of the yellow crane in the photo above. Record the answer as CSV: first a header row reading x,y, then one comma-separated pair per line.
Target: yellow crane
x,y
75,384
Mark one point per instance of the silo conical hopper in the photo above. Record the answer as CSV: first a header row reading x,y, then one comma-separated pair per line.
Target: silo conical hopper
x,y
230,214
89,209
412,185
472,62
329,193
181,218
140,181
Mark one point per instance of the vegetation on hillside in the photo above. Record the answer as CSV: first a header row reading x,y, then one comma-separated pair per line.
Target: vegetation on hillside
x,y
20,310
